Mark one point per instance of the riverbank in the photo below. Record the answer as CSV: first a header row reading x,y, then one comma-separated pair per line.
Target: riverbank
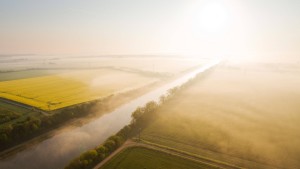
x,y
56,151
141,117
109,105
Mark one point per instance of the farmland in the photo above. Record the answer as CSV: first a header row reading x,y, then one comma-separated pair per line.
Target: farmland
x,y
166,65
14,75
247,116
36,97
60,90
135,158
10,112
51,82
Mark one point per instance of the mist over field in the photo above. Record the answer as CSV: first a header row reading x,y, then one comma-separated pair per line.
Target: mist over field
x,y
150,84
240,111
244,112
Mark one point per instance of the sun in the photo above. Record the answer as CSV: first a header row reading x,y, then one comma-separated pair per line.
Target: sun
x,y
213,17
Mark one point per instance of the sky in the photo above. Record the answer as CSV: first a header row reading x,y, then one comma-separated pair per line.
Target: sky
x,y
202,27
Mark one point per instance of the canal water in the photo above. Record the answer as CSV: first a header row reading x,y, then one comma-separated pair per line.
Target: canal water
x,y
57,151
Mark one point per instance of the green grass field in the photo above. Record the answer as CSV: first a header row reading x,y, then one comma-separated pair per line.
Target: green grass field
x,y
245,119
142,158
10,113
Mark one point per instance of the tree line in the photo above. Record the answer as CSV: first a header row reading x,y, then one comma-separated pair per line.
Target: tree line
x,y
31,126
141,117
92,157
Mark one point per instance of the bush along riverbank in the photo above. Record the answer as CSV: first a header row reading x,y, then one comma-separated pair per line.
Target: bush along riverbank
x,y
34,125
141,117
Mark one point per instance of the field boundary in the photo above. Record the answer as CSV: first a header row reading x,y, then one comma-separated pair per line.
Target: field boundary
x,y
263,165
144,144
25,106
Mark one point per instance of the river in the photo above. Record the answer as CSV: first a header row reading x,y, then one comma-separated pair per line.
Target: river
x,y
56,151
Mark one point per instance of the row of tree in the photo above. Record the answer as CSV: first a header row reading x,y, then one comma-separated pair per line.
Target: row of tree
x,y
7,115
29,127
141,117
92,157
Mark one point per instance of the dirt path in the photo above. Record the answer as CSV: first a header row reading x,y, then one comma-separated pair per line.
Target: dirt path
x,y
130,143
127,144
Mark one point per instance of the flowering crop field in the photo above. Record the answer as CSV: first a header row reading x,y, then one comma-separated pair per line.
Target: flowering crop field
x,y
57,91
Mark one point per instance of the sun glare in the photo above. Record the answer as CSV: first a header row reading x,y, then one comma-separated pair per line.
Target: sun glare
x,y
214,17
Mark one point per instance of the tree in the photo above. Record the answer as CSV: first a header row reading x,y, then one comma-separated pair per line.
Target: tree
x,y
3,137
137,113
90,156
74,164
34,127
101,149
101,152
110,145
172,91
117,139
124,132
162,99
150,107
7,129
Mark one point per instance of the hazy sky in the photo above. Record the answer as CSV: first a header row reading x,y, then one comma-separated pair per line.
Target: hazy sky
x,y
215,27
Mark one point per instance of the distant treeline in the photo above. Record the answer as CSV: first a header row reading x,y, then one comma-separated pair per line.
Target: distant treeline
x,y
31,126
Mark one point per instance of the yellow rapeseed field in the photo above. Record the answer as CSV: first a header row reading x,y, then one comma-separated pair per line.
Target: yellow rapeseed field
x,y
61,90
